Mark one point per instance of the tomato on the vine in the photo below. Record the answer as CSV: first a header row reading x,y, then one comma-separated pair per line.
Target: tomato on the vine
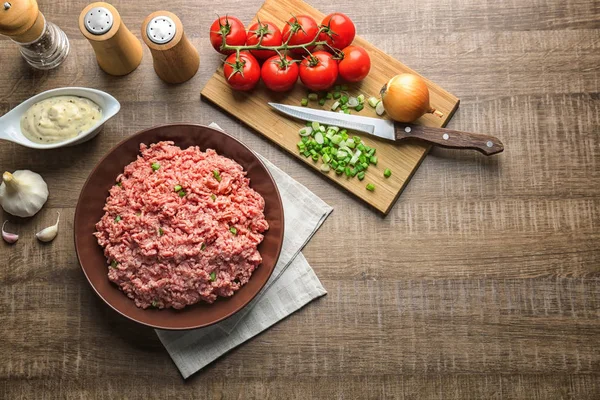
x,y
232,28
302,29
339,30
355,64
319,71
265,33
279,75
242,74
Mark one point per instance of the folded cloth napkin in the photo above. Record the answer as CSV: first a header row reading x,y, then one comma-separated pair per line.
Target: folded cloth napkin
x,y
292,285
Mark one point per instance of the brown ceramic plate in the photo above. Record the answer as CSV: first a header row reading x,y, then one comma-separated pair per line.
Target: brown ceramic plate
x,y
94,194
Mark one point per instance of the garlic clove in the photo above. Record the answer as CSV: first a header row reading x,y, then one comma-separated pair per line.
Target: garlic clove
x,y
48,234
7,236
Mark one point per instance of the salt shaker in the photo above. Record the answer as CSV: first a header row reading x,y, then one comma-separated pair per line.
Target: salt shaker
x,y
175,59
43,44
118,51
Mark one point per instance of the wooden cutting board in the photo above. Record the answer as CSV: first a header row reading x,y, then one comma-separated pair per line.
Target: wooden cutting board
x,y
252,109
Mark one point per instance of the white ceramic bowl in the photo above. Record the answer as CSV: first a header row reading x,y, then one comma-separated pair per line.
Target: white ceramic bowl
x,y
10,123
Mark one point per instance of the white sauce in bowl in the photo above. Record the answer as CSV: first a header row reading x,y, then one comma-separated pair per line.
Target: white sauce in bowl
x,y
59,118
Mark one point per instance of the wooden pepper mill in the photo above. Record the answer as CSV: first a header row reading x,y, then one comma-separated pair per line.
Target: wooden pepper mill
x,y
118,51
175,59
43,44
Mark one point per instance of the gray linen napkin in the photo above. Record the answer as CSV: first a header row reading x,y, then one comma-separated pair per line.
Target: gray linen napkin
x,y
292,285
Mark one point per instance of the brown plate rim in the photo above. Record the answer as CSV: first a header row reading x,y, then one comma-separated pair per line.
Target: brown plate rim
x,y
280,241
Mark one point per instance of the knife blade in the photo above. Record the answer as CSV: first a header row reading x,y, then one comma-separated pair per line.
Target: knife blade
x,y
397,131
373,126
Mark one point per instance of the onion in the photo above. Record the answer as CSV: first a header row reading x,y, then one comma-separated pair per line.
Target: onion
x,y
406,98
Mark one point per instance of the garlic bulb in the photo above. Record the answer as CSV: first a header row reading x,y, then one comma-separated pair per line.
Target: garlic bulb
x,y
23,193
7,236
48,234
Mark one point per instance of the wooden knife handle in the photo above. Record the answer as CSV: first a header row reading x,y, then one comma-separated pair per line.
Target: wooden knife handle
x,y
449,138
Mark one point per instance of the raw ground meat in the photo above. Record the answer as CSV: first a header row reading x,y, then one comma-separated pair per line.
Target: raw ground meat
x,y
162,246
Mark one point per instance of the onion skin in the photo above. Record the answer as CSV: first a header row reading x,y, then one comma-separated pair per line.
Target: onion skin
x,y
406,98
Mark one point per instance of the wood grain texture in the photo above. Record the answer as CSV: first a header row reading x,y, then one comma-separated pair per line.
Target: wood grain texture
x,y
483,282
403,158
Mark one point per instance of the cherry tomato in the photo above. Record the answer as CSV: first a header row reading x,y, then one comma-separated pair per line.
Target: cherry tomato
x,y
279,75
302,29
243,74
355,65
339,30
232,28
319,71
270,35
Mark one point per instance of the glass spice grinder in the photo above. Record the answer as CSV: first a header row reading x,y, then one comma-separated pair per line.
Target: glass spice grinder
x,y
43,44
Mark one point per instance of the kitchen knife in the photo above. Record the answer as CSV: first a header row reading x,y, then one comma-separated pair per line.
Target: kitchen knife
x,y
397,131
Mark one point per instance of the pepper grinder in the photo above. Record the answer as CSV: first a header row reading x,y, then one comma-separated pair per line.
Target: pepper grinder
x,y
118,51
43,44
175,59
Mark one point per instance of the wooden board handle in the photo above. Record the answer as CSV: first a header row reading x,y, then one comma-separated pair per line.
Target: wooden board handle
x,y
449,138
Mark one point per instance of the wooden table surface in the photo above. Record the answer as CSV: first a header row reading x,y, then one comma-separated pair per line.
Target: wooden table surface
x,y
482,282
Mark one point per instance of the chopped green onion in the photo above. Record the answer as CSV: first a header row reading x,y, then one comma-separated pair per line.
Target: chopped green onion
x,y
353,102
373,101
213,197
355,157
315,125
373,160
334,164
339,170
160,231
203,246
217,175
379,109
305,139
313,96
359,107
337,95
306,153
335,105
346,111
233,230
304,102
361,98
344,107
360,175
301,145
154,303
325,168
182,193
306,131
322,102
315,157
117,218
387,173
177,188
155,166
329,96
114,263
119,184
322,129
308,123
348,171
370,187
319,137
213,276
336,139
350,143
138,213
344,99
326,158
354,172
